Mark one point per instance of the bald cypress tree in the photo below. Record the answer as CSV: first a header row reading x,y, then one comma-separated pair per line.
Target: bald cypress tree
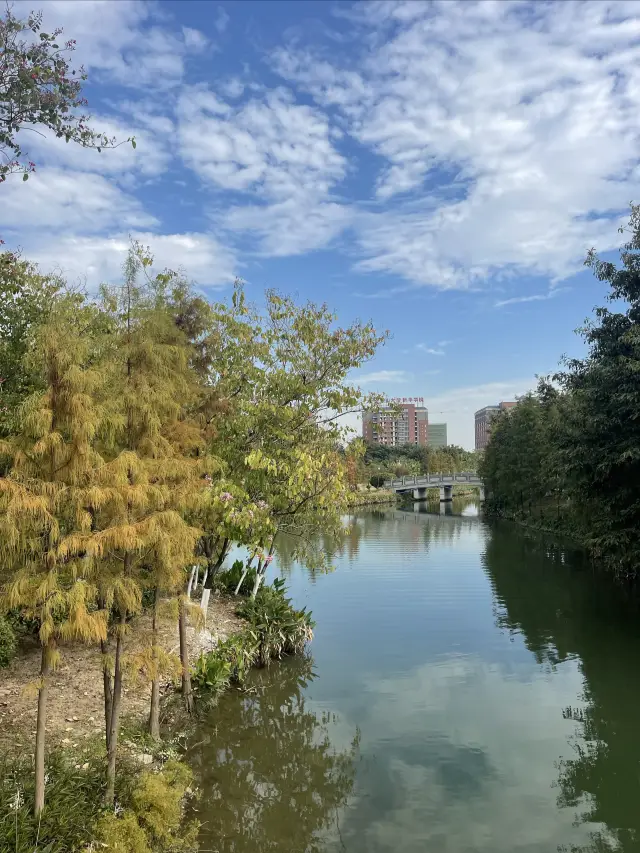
x,y
43,517
152,471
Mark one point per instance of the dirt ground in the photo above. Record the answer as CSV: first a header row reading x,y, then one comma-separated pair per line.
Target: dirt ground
x,y
76,704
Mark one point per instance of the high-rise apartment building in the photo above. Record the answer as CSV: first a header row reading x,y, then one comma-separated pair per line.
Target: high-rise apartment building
x,y
437,435
387,427
483,422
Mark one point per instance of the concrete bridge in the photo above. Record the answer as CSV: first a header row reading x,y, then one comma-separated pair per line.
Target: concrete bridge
x,y
445,482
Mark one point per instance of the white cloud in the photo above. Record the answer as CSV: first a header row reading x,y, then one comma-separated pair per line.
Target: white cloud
x,y
194,39
232,88
287,228
390,377
97,259
508,144
270,148
68,201
430,350
457,406
536,297
149,158
130,41
222,20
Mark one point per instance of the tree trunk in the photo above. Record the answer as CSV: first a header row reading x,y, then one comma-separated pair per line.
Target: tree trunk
x,y
45,668
245,572
262,568
154,713
107,681
258,580
114,722
187,693
222,556
214,566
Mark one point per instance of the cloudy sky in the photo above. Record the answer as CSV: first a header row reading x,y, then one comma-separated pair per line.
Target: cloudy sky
x,y
441,168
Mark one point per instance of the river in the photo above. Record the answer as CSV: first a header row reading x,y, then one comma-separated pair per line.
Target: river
x,y
469,688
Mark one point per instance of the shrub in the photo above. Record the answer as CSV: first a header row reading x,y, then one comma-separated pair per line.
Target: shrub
x,y
241,653
7,643
228,663
152,821
122,833
279,628
157,802
377,481
211,674
228,581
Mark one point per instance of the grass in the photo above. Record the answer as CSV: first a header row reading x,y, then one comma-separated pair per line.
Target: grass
x,y
148,814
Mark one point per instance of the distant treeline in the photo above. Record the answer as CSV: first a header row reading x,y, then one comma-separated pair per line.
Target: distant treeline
x,y
568,456
410,459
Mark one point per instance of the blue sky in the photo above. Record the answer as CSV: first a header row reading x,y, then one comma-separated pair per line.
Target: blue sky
x,y
441,168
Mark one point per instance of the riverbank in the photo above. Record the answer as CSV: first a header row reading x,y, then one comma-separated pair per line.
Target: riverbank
x,y
371,498
529,522
76,701
154,783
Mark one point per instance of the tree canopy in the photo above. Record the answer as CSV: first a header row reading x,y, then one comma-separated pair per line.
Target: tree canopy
x,y
569,455
39,90
147,430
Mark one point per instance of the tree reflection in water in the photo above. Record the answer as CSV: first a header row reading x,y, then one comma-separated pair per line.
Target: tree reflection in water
x,y
371,524
562,610
271,779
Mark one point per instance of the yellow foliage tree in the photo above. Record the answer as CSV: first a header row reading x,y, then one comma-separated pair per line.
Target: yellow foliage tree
x,y
152,474
44,522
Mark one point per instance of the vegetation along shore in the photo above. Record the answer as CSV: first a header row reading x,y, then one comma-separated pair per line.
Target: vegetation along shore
x,y
145,431
567,458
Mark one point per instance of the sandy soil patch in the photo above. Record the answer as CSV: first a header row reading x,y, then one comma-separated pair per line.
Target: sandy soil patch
x,y
76,704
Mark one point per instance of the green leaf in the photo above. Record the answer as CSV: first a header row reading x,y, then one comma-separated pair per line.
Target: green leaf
x,y
25,177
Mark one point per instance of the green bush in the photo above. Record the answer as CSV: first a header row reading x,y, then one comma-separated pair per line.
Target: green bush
x,y
229,663
241,653
228,581
278,627
8,643
22,624
377,481
275,628
211,674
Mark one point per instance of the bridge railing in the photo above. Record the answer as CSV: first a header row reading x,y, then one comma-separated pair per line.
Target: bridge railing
x,y
422,480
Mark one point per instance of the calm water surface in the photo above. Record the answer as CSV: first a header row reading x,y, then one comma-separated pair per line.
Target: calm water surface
x,y
469,688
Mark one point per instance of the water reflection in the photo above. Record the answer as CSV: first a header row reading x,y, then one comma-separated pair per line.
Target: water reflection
x,y
271,778
564,611
492,677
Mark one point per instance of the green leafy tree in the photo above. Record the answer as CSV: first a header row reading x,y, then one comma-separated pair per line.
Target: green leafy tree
x,y
39,90
570,455
26,300
281,433
604,462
